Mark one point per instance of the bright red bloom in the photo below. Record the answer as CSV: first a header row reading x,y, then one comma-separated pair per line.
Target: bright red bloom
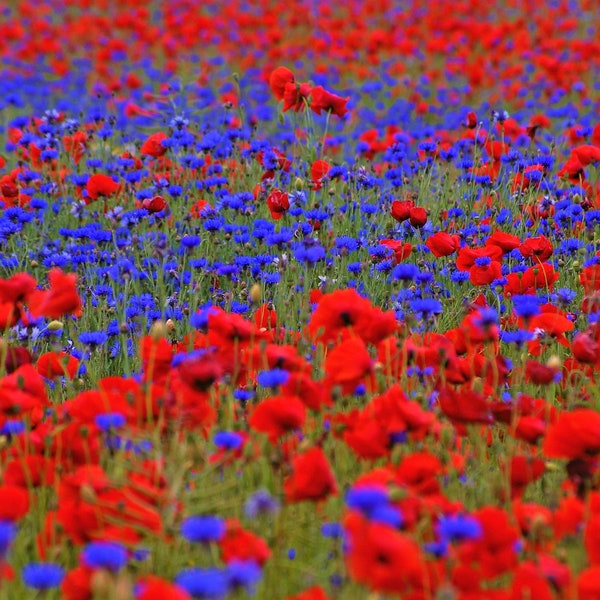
x,y
278,80
576,434
295,96
60,299
417,216
77,584
57,364
383,558
153,147
318,171
154,204
539,248
401,209
322,100
243,545
313,593
155,588
278,203
442,244
15,502
523,470
311,478
348,364
278,415
100,185
505,241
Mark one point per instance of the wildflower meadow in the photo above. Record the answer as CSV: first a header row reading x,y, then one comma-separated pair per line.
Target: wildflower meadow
x,y
300,301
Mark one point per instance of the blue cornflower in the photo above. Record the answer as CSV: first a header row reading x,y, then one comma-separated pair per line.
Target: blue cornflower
x,y
366,499
405,272
203,529
426,307
203,583
332,530
108,421
8,531
243,574
273,378
42,576
228,440
483,261
93,338
526,306
456,528
190,241
105,555
260,503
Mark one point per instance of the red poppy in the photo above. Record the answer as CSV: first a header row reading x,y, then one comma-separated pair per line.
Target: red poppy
x,y
311,478
153,146
318,171
417,217
523,470
154,588
60,299
100,185
57,364
443,244
278,80
539,248
242,545
401,209
348,364
313,593
575,434
505,241
154,204
77,584
295,96
278,203
383,558
322,100
278,415
15,502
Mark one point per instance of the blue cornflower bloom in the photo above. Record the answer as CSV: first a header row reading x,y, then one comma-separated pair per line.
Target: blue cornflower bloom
x,y
405,272
228,440
456,528
203,583
203,529
273,377
108,421
105,555
366,499
42,576
243,574
526,306
260,503
93,338
8,531
332,530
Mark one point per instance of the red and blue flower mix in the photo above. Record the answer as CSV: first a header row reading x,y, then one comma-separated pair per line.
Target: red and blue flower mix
x,y
300,301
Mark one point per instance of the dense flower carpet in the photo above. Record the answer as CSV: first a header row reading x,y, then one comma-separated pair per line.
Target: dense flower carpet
x,y
300,301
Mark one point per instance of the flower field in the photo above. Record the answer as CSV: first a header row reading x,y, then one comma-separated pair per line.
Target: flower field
x,y
300,301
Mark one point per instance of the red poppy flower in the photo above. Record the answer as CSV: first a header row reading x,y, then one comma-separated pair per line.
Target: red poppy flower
x,y
585,348
348,364
100,185
318,171
153,146
278,79
322,100
523,470
401,209
417,217
295,96
311,478
242,545
505,241
60,299
278,415
471,120
154,588
15,502
278,202
57,364
575,434
154,204
383,558
540,248
313,593
443,244
77,584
